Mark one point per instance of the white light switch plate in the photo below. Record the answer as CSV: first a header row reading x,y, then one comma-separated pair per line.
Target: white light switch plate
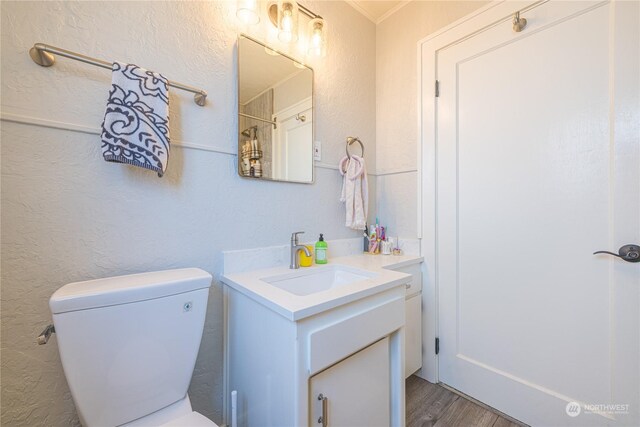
x,y
317,150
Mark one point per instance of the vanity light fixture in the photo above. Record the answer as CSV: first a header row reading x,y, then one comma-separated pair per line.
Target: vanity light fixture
x,y
247,11
284,15
316,30
287,21
317,37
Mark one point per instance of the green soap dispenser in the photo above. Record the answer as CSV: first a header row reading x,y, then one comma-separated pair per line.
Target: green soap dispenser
x,y
321,251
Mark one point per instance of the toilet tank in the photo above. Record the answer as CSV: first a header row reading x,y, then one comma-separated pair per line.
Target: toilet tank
x,y
128,344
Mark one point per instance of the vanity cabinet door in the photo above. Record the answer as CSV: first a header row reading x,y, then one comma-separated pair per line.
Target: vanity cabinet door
x,y
413,335
355,391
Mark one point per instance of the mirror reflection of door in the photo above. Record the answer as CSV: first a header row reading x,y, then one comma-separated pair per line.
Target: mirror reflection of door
x,y
275,115
293,159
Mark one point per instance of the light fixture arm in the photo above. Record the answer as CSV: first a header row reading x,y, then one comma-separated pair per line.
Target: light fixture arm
x,y
308,12
272,11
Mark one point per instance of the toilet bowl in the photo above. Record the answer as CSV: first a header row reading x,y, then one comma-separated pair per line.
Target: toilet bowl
x,y
128,346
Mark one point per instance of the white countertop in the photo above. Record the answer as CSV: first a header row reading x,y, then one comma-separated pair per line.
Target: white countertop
x,y
368,262
296,307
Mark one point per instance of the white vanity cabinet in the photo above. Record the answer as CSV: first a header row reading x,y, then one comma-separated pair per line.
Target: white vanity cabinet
x,y
413,321
351,354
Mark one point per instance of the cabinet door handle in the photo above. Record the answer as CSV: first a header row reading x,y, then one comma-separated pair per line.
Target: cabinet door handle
x,y
323,419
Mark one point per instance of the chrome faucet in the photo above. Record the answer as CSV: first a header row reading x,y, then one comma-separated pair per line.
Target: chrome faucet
x,y
295,247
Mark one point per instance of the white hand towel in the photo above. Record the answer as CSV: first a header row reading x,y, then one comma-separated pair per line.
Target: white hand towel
x,y
136,123
355,191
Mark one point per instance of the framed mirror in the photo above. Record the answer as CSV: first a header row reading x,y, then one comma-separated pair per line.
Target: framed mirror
x,y
275,115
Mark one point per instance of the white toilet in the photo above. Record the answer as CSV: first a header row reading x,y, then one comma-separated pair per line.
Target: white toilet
x,y
128,346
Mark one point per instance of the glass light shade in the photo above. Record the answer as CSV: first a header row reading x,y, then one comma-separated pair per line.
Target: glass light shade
x,y
288,21
247,11
317,37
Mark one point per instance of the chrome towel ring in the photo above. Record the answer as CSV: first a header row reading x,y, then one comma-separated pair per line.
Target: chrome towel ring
x,y
351,140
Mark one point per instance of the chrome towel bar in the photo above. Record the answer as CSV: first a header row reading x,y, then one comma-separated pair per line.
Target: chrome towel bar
x,y
272,122
42,54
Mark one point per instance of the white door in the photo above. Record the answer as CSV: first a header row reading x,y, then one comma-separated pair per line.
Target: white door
x,y
538,166
354,392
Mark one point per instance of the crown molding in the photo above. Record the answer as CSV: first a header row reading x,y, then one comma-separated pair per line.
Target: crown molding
x,y
362,11
393,10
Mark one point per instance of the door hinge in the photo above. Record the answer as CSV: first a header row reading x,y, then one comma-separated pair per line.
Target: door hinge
x,y
437,88
437,345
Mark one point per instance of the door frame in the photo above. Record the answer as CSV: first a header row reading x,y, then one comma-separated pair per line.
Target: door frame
x,y
427,48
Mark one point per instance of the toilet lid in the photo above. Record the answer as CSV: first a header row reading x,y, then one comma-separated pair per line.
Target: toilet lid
x,y
193,419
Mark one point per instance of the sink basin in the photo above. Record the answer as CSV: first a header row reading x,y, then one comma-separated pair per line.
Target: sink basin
x,y
318,279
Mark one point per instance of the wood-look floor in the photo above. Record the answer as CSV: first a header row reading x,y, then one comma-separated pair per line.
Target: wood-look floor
x,y
433,405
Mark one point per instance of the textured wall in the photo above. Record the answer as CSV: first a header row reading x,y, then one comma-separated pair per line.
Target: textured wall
x,y
397,105
67,215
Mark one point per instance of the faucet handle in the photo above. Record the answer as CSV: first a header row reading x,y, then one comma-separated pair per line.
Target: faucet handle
x,y
294,237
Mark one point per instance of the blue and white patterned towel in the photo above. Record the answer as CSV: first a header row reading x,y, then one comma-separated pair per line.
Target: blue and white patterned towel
x,y
136,124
